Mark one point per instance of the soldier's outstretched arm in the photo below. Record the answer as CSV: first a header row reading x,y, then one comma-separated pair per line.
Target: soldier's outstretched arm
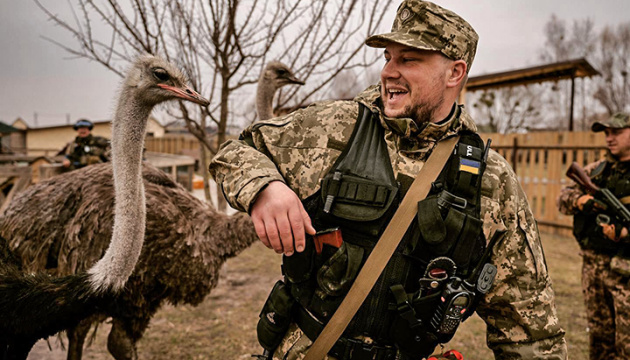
x,y
250,182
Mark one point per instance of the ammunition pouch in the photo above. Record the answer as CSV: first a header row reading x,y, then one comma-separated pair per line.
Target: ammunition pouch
x,y
321,281
447,229
275,317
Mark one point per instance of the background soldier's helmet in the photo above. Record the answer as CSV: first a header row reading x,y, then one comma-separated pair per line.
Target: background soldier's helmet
x,y
617,121
427,26
83,123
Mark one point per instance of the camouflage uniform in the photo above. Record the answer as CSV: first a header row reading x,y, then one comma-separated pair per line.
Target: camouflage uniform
x,y
89,150
605,277
300,148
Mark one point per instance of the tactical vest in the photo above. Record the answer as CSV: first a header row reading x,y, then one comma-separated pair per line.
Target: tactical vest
x,y
359,196
586,230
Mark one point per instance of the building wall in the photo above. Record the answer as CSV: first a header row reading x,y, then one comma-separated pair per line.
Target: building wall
x,y
48,141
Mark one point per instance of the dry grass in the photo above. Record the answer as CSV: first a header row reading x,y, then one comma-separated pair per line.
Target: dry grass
x,y
223,326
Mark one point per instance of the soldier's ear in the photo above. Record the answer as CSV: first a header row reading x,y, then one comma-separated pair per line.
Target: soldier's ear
x,y
457,73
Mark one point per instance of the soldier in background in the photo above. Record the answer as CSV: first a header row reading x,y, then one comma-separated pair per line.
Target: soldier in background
x,y
85,149
605,248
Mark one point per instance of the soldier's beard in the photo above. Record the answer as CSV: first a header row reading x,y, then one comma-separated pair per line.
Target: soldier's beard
x,y
422,113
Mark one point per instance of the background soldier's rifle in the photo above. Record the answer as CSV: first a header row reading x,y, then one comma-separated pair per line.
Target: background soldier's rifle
x,y
609,202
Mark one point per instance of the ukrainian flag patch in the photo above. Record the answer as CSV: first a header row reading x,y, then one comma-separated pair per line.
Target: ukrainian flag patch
x,y
470,166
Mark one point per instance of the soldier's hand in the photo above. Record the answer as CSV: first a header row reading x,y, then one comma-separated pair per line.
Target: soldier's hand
x,y
610,232
280,219
65,163
587,203
583,200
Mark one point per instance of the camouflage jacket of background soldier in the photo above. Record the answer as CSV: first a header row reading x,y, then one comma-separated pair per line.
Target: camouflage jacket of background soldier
x,y
301,147
89,150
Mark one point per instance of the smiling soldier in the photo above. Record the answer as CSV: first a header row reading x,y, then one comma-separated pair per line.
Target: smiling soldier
x,y
322,184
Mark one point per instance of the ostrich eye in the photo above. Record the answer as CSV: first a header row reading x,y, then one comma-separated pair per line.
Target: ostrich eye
x,y
161,74
282,72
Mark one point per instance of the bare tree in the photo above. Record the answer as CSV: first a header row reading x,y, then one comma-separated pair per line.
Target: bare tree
x,y
608,51
507,110
613,59
224,44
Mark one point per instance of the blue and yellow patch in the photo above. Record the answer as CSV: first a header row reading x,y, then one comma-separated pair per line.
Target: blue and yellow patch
x,y
470,166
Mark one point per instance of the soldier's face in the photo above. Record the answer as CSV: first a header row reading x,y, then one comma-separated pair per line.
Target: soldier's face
x,y
413,82
83,132
618,142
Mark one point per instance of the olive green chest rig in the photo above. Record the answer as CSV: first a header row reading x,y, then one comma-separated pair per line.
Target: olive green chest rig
x,y
358,197
616,178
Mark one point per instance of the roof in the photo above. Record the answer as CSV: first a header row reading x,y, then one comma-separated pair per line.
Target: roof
x,y
550,72
56,125
66,124
7,129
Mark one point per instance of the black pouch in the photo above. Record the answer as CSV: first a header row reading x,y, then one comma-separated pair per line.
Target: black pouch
x,y
414,340
334,279
275,317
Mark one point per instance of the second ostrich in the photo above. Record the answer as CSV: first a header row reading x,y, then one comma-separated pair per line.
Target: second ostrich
x,y
274,76
34,306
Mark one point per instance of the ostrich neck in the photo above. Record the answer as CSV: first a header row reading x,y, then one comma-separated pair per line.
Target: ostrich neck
x,y
128,129
264,99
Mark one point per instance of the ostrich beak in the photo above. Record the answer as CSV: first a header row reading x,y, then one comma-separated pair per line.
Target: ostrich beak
x,y
186,93
294,80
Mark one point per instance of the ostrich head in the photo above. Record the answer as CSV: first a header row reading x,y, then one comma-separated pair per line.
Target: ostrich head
x,y
150,81
278,75
274,76
154,80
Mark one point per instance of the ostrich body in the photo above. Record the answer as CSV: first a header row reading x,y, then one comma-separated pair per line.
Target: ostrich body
x,y
34,306
274,76
186,242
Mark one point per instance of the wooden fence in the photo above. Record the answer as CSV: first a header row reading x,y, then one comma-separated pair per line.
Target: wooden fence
x,y
174,144
540,160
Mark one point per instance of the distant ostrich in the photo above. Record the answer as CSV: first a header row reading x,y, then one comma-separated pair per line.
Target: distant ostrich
x,y
274,76
34,306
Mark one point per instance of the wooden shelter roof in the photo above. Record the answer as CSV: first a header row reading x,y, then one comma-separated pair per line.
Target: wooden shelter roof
x,y
550,72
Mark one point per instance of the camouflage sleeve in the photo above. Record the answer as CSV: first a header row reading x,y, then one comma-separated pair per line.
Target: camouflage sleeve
x,y
567,200
519,310
298,149
241,171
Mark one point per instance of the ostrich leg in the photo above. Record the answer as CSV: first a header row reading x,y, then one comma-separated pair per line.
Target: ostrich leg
x,y
76,338
119,343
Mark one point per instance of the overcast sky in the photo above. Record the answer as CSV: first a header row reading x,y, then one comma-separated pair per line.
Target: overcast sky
x,y
38,77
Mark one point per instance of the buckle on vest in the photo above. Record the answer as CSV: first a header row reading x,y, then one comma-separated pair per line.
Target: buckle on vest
x,y
447,199
360,350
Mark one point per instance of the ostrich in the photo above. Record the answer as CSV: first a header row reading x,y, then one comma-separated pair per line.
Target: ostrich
x,y
186,241
34,306
274,76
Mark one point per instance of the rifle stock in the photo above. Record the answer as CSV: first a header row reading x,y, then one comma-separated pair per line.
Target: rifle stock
x,y
577,174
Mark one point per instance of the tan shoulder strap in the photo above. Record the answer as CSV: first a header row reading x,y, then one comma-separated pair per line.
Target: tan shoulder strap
x,y
383,250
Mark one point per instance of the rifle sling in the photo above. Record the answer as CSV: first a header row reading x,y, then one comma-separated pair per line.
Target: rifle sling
x,y
383,250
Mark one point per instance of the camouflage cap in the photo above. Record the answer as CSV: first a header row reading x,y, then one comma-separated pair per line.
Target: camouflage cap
x,y
427,26
617,121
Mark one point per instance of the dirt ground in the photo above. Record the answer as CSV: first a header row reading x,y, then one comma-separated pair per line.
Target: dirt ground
x,y
223,326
